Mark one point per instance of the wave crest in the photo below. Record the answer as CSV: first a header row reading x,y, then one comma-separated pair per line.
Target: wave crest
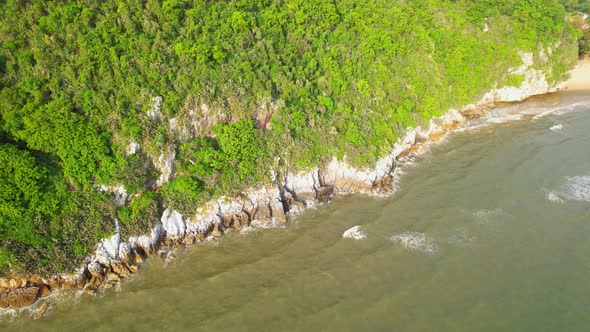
x,y
415,241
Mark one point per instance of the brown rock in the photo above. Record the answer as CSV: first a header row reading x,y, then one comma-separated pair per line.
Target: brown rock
x,y
436,134
19,297
113,277
278,213
216,232
4,283
90,291
39,313
14,283
324,193
67,285
119,270
263,212
34,280
404,153
54,283
298,203
240,220
137,259
227,221
43,291
417,149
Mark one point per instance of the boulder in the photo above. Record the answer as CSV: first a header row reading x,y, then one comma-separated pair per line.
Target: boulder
x,y
19,297
277,212
324,193
240,220
355,233
216,232
44,291
436,134
173,224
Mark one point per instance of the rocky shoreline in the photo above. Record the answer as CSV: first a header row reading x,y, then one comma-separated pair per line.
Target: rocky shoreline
x,y
115,259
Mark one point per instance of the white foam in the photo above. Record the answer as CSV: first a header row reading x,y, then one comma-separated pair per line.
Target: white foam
x,y
553,197
256,225
471,128
577,188
415,241
556,127
562,109
506,118
354,232
544,114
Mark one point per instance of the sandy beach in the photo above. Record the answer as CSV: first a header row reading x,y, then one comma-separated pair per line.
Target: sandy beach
x,y
580,77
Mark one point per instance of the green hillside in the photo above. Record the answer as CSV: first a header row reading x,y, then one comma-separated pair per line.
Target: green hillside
x,y
303,80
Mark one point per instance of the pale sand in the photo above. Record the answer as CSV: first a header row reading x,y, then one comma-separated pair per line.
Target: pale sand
x,y
580,77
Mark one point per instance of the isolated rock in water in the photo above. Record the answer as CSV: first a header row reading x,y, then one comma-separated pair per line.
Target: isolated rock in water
x,y
354,232
556,127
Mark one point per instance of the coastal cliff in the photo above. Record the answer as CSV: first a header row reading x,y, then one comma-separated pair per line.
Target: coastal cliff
x,y
116,259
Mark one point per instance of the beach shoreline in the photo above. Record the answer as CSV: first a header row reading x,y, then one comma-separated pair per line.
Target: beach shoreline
x,y
580,77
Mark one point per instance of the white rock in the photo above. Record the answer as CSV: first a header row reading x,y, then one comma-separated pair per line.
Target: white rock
x,y
173,125
145,241
173,223
155,113
165,164
132,148
354,232
119,191
108,249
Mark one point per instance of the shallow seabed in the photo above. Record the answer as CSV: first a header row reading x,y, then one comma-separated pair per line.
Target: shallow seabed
x,y
490,231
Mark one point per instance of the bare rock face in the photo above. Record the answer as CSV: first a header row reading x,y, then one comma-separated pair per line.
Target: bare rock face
x,y
216,231
173,224
18,297
436,134
324,193
165,165
452,119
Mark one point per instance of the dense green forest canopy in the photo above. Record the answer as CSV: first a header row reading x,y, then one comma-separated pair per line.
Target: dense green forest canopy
x,y
576,5
226,86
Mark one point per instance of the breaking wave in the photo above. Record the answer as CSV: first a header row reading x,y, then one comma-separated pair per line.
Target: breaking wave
x,y
576,188
553,197
415,241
